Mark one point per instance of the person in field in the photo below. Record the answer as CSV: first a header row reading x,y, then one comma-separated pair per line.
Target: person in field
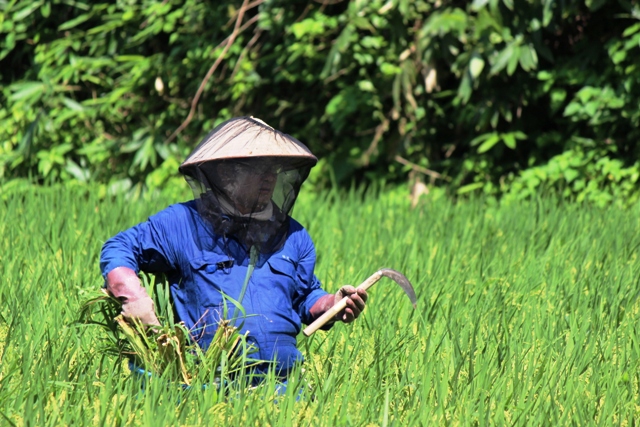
x,y
235,239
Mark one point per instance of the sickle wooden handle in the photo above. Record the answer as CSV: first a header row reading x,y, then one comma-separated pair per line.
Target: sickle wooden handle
x,y
339,306
394,275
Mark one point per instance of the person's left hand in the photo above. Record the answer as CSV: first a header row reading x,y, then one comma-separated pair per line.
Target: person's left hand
x,y
355,303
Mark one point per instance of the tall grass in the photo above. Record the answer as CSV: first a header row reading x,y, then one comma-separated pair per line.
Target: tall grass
x,y
527,315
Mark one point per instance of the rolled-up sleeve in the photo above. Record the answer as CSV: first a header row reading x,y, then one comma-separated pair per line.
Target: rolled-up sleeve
x,y
146,246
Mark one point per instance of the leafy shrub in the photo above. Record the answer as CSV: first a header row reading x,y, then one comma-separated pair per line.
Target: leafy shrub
x,y
473,94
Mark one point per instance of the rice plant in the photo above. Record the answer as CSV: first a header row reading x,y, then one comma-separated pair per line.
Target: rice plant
x,y
168,351
527,315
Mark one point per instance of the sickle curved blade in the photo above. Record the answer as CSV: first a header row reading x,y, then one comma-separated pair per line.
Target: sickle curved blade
x,y
401,280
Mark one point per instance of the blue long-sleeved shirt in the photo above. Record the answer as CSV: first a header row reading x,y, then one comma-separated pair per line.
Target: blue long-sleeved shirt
x,y
178,243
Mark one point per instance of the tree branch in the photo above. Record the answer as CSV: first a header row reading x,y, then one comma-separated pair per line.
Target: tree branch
x,y
419,168
380,130
237,29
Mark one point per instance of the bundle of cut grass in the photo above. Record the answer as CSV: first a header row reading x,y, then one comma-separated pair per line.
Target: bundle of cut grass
x,y
168,350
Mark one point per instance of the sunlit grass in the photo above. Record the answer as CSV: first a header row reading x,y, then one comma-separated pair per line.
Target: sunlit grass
x,y
527,315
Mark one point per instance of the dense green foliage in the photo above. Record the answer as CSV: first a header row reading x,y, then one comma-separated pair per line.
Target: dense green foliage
x,y
528,314
500,95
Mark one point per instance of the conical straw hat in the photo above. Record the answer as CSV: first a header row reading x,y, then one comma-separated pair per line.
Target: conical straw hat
x,y
244,137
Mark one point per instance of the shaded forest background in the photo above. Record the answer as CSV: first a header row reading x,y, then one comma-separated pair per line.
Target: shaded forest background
x,y
504,97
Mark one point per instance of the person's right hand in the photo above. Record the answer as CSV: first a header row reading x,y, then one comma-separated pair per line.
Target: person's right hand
x,y
124,284
141,309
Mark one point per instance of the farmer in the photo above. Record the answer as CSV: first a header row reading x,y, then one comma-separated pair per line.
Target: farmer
x,y
235,239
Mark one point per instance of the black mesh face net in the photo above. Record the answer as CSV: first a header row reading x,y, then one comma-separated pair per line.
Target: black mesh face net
x,y
248,199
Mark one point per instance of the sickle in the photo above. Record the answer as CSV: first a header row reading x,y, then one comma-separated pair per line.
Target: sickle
x,y
394,275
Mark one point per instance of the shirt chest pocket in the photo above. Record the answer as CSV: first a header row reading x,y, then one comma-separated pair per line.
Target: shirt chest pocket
x,y
208,281
203,266
283,277
211,265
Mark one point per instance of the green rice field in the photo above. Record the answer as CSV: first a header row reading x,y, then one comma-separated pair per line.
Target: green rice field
x,y
528,315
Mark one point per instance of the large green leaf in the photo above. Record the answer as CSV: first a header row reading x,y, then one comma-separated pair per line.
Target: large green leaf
x,y
31,91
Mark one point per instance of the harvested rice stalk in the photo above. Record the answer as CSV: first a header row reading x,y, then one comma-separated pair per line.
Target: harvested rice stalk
x,y
168,350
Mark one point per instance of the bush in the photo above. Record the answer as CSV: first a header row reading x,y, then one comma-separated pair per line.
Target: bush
x,y
478,94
